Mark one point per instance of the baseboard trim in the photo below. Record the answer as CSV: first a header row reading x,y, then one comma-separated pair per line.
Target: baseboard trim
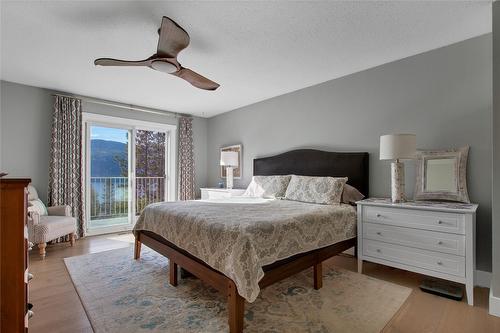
x,y
482,278
494,304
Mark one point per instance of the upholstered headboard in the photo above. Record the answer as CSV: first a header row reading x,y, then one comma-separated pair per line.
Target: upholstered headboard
x,y
310,162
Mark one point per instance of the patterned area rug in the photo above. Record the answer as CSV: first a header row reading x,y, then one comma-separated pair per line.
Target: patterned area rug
x,y
123,295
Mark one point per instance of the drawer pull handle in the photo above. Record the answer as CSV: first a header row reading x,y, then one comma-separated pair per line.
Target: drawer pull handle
x,y
440,243
378,215
440,263
379,233
440,222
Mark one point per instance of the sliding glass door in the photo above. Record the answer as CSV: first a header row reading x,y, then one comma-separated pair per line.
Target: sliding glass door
x,y
127,168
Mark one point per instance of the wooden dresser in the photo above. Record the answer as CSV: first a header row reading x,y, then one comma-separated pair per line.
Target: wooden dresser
x,y
14,256
431,238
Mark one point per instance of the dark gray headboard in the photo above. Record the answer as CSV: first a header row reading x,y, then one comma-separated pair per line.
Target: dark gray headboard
x,y
310,162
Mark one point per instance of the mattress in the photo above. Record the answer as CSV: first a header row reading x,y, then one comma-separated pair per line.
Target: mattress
x,y
238,236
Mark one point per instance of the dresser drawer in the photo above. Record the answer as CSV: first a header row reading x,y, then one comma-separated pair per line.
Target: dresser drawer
x,y
413,218
435,261
422,239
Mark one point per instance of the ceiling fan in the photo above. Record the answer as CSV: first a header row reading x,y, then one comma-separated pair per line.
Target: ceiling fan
x,y
173,39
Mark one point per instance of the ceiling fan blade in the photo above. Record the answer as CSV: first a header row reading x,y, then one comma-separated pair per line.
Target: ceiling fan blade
x,y
172,39
118,62
196,79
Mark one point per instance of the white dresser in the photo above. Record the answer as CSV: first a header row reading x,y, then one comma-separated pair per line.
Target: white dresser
x,y
219,193
432,238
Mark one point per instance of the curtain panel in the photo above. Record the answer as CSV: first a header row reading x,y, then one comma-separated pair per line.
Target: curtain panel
x,y
186,159
65,169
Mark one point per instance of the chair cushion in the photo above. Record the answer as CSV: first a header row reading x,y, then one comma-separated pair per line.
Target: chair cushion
x,y
32,193
53,227
37,206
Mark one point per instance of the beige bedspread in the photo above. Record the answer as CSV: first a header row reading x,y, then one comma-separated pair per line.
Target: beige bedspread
x,y
239,236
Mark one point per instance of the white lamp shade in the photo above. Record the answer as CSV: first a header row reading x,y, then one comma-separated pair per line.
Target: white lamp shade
x,y
398,146
229,158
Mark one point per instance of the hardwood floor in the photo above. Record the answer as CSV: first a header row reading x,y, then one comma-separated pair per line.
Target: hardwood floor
x,y
57,307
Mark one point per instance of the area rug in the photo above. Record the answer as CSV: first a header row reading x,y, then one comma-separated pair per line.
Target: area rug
x,y
123,295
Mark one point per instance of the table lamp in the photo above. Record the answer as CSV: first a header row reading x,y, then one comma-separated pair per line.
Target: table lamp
x,y
229,159
398,147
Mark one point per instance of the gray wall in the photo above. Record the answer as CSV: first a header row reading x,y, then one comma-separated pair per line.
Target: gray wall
x,y
25,125
495,283
443,96
25,129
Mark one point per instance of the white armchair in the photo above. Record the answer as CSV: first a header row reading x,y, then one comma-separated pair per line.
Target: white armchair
x,y
47,224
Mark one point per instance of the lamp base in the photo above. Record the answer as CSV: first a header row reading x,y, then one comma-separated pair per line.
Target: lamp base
x,y
397,182
229,177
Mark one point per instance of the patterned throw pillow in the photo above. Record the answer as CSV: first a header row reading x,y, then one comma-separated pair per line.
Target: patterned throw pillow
x,y
320,190
267,186
37,206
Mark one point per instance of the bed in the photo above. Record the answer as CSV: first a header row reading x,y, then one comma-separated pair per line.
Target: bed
x,y
241,246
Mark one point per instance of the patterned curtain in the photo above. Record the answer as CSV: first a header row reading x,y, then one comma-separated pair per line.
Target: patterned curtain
x,y
186,159
65,170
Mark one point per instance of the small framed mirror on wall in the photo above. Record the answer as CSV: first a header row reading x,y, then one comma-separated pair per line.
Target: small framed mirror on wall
x,y
442,175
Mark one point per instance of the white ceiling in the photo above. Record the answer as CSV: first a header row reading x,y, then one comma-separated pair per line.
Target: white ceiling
x,y
255,50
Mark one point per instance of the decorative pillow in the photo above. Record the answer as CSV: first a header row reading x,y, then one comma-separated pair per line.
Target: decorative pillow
x,y
351,194
37,206
267,186
320,190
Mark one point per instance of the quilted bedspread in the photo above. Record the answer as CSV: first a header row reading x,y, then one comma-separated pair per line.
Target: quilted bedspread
x,y
239,236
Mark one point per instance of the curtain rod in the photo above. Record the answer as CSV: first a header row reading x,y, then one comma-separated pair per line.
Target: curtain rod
x,y
122,105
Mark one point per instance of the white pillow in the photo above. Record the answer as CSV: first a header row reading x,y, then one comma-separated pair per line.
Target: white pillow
x,y
267,186
37,206
320,190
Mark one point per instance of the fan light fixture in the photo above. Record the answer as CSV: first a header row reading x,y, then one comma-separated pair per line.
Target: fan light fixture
x,y
164,66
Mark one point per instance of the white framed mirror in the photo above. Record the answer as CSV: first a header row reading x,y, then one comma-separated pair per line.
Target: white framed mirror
x,y
442,175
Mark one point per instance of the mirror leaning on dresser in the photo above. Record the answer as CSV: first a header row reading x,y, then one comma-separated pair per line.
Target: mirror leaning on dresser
x,y
442,175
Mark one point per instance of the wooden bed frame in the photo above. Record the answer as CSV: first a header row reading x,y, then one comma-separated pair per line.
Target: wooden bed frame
x,y
272,273
301,162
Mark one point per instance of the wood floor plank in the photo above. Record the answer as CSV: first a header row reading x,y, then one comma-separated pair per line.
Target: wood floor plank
x,y
57,306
